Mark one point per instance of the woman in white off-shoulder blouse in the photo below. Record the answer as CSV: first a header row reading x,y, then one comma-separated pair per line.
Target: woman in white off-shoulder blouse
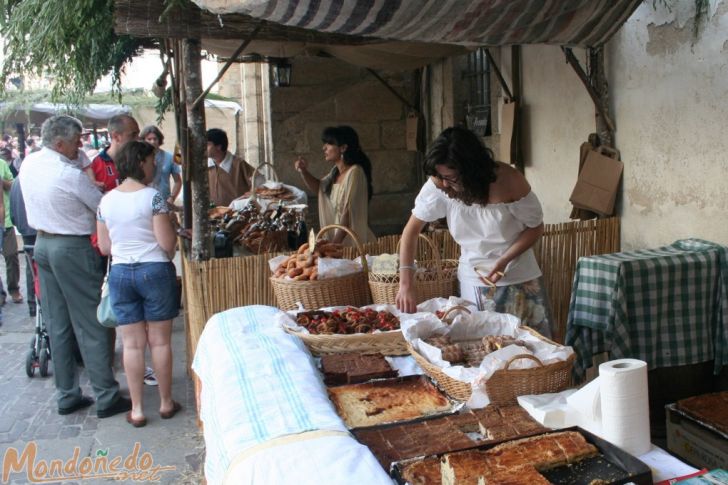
x,y
496,219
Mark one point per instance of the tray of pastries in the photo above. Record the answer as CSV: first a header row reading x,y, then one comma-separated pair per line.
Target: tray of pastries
x,y
347,321
444,434
349,329
571,456
383,401
711,410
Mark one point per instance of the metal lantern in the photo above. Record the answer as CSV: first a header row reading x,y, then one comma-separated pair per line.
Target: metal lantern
x,y
281,70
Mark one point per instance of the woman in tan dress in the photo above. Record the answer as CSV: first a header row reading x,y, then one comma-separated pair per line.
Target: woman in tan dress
x,y
343,194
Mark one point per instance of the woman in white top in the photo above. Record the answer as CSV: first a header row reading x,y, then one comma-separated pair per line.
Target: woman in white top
x,y
495,218
134,227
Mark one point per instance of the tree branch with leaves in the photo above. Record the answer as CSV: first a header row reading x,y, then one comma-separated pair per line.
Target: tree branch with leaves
x,y
72,44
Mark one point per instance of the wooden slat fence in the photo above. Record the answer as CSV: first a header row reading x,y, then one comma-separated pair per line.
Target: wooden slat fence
x,y
220,284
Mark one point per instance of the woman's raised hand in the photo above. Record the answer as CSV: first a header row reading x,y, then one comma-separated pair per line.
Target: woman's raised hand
x,y
300,164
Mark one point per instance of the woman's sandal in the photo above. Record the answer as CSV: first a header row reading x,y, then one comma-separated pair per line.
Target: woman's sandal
x,y
137,423
176,407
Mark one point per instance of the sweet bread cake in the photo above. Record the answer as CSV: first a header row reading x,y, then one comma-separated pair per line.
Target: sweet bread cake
x,y
354,368
711,409
513,463
387,401
516,461
448,433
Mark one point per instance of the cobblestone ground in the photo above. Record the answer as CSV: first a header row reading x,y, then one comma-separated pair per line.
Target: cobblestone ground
x,y
29,417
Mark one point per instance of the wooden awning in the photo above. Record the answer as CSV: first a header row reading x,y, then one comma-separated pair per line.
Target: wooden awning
x,y
221,35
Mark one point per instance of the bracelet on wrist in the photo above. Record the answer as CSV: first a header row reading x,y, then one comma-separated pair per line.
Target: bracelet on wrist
x,y
408,266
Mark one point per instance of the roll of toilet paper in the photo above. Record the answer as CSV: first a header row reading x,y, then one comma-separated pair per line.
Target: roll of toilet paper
x,y
625,405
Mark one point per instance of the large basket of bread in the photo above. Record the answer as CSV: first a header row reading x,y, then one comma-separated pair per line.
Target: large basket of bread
x,y
434,278
296,280
489,354
371,329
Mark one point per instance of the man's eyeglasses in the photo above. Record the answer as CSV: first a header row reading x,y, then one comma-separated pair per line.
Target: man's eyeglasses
x,y
449,180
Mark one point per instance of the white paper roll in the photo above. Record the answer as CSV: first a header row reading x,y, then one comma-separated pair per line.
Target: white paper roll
x,y
625,404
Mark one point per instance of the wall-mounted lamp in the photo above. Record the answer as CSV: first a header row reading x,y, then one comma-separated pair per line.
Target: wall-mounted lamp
x,y
281,70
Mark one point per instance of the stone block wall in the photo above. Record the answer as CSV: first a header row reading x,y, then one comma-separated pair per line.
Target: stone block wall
x,y
326,92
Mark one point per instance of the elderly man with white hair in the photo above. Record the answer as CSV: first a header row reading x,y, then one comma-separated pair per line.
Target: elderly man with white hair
x,y
61,203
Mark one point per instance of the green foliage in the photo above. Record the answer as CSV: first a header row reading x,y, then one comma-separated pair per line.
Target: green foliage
x,y
71,43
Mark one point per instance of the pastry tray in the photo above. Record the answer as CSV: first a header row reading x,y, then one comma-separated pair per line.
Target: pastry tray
x,y
613,465
673,407
455,406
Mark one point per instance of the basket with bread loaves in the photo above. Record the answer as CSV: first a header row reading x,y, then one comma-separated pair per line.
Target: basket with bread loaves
x,y
484,356
298,280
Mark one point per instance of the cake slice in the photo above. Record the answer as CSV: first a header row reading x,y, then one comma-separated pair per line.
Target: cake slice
x,y
423,472
502,422
543,452
354,368
463,468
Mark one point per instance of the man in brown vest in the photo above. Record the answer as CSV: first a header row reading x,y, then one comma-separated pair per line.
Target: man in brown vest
x,y
229,176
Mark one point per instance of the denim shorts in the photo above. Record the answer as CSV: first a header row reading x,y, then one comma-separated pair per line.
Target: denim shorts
x,y
143,292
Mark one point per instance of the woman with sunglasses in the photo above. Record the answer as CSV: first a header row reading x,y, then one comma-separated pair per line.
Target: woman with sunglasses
x,y
496,219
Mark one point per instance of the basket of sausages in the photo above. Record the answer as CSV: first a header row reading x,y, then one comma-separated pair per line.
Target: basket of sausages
x,y
297,279
349,330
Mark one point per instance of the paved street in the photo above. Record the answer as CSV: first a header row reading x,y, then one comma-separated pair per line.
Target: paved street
x,y
28,414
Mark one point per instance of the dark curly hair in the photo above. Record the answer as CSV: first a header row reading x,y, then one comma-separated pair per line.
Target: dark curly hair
x,y
460,149
130,159
354,155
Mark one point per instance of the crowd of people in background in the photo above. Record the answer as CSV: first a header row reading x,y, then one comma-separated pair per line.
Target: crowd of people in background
x,y
63,196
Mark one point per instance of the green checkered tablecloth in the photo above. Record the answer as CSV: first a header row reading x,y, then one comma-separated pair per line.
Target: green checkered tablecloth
x,y
667,306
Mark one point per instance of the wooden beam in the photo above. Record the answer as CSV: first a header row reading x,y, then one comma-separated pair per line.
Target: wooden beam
x,y
229,63
595,96
498,74
196,149
518,162
392,90
598,79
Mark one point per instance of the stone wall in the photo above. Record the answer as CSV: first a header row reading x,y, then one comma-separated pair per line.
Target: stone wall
x,y
669,100
326,92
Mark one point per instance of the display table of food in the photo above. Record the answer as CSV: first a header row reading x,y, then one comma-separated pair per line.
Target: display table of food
x,y
269,418
666,306
264,408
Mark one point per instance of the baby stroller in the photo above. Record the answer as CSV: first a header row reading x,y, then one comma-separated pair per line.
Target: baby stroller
x,y
40,346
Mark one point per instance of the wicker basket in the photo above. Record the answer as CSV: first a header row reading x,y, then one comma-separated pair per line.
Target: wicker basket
x,y
505,385
351,290
440,279
386,343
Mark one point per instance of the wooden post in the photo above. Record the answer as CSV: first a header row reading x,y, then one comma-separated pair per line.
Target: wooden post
x,y
519,163
20,128
196,150
598,80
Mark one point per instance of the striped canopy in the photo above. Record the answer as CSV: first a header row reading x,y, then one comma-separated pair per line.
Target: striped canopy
x,y
584,23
